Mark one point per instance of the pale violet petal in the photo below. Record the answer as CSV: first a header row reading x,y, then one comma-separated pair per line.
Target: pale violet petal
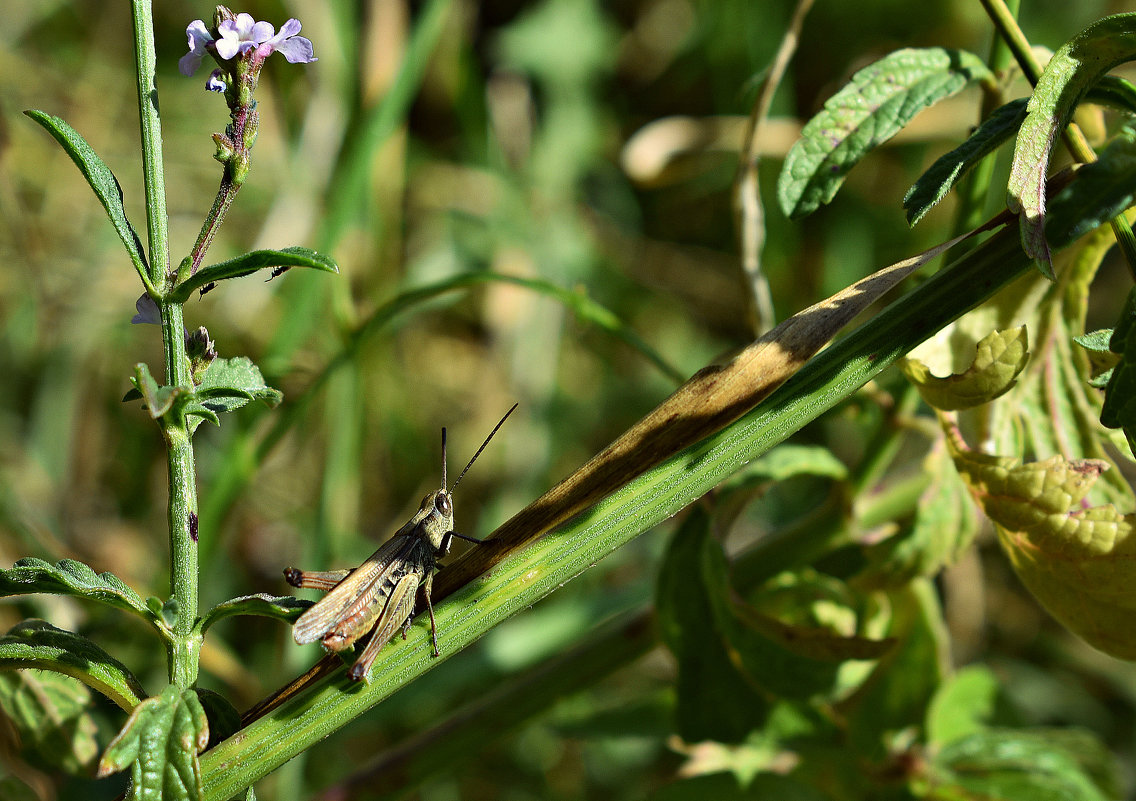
x,y
262,32
147,311
297,50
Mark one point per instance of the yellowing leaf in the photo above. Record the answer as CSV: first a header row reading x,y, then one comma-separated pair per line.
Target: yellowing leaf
x,y
1078,561
999,357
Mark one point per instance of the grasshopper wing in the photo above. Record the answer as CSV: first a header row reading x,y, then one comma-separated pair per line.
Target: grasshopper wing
x,y
397,610
346,606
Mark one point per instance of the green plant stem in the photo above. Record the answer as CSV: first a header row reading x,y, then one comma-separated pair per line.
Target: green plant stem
x,y
182,509
150,121
529,574
185,646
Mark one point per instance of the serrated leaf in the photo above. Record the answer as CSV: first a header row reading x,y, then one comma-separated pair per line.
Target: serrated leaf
x,y
1102,190
999,358
249,263
1075,67
36,644
102,181
51,713
873,107
948,169
1051,410
1026,765
228,385
69,577
945,524
284,608
160,743
1075,559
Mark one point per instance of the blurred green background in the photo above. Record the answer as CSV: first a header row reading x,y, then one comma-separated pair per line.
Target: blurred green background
x,y
521,146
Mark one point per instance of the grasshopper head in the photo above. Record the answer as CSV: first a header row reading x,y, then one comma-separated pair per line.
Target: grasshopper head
x,y
436,520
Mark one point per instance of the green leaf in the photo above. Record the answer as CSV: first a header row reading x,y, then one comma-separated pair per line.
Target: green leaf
x,y
284,608
158,399
228,385
1026,765
715,702
50,712
104,183
36,644
940,177
791,643
789,460
249,263
1119,410
945,525
69,577
1101,191
999,127
1114,91
160,743
1102,361
873,107
224,719
969,702
1075,67
999,358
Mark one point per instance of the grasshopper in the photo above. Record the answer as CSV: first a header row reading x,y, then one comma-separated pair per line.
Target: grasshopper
x,y
379,595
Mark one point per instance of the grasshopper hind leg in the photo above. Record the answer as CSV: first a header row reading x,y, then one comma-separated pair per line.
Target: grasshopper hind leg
x,y
314,579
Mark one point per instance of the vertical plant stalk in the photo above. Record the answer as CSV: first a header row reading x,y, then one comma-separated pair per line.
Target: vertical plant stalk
x,y
150,122
181,512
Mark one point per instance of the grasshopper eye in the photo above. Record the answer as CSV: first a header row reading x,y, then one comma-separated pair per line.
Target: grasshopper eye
x,y
443,504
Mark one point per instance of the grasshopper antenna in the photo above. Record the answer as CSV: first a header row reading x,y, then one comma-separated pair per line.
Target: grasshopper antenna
x,y
443,457
496,428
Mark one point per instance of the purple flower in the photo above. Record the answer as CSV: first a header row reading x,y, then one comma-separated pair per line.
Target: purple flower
x,y
198,36
147,311
216,81
295,49
240,35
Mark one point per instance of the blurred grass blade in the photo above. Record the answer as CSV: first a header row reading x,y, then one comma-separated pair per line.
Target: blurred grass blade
x,y
103,182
